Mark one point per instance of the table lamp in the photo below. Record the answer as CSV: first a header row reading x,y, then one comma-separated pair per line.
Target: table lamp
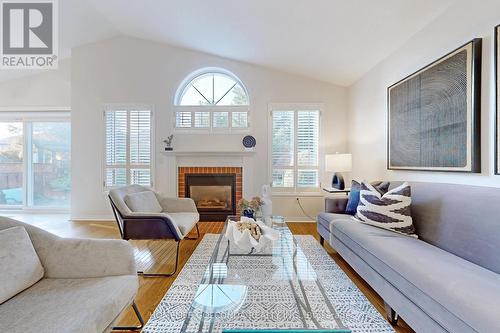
x,y
338,163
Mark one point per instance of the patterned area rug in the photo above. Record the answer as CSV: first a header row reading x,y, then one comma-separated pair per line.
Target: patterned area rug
x,y
351,306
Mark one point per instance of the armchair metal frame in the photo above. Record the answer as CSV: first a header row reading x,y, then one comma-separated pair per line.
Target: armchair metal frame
x,y
132,328
159,227
197,234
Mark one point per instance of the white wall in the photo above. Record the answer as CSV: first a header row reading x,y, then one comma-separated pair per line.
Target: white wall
x,y
367,115
48,88
128,70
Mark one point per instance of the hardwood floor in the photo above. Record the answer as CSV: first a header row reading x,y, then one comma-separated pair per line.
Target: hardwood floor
x,y
151,256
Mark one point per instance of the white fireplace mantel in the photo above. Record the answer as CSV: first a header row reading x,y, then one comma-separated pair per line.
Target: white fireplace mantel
x,y
209,153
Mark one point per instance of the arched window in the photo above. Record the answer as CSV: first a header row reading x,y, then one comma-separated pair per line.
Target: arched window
x,y
212,87
212,98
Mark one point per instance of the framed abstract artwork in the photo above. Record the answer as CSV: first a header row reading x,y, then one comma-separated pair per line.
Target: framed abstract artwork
x,y
434,115
497,93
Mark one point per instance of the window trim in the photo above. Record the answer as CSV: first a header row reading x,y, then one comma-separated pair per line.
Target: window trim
x,y
128,106
295,190
27,116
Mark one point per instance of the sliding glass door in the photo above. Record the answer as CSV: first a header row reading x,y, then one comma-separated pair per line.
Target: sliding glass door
x,y
50,164
11,164
35,164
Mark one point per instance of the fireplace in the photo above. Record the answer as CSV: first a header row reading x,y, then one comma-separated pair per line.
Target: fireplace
x,y
213,194
215,190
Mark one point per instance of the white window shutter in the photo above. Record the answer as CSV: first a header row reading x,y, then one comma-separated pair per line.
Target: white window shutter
x,y
127,147
140,137
239,119
202,119
220,119
140,147
295,148
283,132
116,137
183,119
307,138
116,148
307,148
283,143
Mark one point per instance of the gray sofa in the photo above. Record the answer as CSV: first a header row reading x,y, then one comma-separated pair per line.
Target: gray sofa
x,y
86,284
448,280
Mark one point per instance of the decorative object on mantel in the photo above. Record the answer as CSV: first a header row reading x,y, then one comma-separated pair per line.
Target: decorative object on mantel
x,y
338,163
212,153
250,235
168,143
267,204
434,115
249,142
250,209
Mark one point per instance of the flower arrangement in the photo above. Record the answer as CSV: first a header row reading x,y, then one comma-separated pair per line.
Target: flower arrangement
x,y
249,208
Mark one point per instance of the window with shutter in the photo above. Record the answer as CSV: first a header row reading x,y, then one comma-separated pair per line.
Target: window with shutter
x,y
211,99
128,146
295,134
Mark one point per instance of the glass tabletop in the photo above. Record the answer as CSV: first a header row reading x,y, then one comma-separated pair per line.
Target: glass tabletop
x,y
269,290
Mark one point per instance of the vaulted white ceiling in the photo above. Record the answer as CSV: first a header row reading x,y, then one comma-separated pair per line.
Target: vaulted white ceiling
x,y
332,40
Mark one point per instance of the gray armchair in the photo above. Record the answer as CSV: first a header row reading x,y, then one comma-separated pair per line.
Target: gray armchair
x,y
143,214
86,284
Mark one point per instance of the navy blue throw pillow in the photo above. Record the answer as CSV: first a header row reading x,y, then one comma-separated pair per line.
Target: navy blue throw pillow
x,y
354,195
353,201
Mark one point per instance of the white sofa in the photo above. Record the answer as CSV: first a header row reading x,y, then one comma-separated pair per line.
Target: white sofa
x,y
86,284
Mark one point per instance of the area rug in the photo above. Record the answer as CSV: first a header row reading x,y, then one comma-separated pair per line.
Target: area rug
x,y
351,306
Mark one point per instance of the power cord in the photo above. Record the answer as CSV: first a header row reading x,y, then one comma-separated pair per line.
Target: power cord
x,y
303,211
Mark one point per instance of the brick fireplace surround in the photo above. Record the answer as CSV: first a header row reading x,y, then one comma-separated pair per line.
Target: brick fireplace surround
x,y
237,171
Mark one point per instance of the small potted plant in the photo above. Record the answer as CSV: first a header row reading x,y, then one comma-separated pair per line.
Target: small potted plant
x,y
168,143
250,208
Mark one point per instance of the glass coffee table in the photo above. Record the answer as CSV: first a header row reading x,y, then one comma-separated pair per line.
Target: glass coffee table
x,y
272,290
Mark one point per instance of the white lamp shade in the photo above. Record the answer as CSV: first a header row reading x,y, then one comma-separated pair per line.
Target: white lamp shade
x,y
338,162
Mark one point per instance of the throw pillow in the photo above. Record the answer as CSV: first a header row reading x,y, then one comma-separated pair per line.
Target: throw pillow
x,y
353,201
145,202
389,211
21,267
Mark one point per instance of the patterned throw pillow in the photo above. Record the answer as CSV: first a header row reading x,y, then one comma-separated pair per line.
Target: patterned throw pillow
x,y
389,211
353,201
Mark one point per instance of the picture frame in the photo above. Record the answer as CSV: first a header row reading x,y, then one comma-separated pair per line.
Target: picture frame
x,y
433,115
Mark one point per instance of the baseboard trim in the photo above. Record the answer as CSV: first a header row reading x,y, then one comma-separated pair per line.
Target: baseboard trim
x,y
298,219
103,218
